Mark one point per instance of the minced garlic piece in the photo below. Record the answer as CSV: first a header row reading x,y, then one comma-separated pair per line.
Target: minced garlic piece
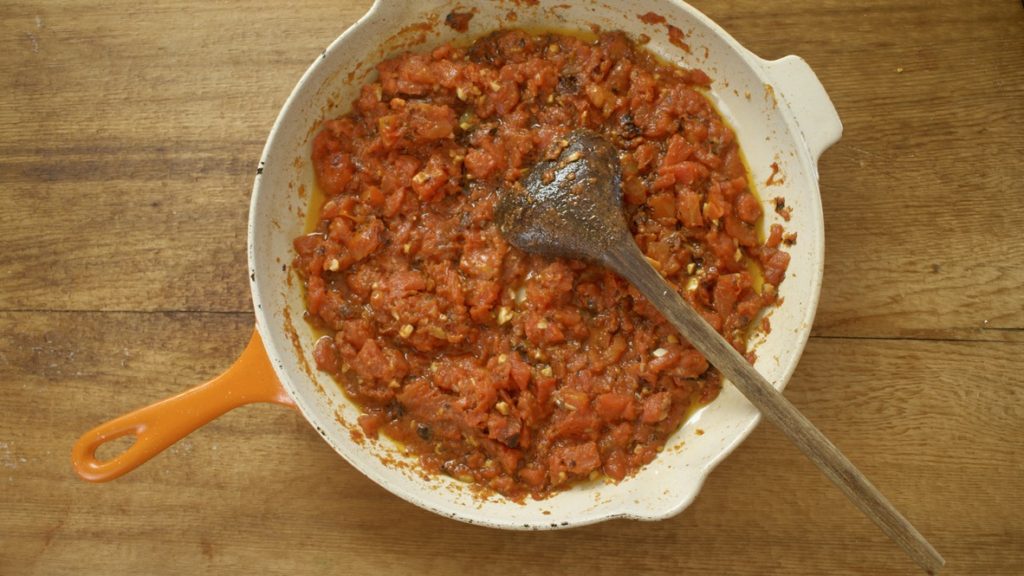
x,y
504,315
520,295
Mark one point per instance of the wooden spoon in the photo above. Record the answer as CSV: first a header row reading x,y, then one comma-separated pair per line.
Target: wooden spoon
x,y
572,207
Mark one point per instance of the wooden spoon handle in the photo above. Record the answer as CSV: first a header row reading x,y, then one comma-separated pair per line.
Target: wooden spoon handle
x,y
626,259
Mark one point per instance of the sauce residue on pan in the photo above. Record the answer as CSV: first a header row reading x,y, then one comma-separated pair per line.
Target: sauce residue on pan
x,y
675,35
458,21
652,18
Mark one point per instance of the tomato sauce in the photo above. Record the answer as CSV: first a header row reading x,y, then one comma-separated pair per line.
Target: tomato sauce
x,y
518,373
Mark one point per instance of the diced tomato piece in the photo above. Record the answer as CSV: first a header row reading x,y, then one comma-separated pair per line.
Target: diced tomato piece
x,y
613,405
748,208
663,208
688,209
655,407
326,355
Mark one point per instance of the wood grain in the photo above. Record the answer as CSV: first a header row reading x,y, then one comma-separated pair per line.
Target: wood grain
x,y
140,130
931,95
128,142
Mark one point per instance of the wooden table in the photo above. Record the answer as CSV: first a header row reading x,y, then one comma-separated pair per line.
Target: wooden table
x,y
129,135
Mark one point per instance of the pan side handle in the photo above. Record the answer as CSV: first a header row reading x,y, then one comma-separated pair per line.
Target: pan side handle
x,y
157,426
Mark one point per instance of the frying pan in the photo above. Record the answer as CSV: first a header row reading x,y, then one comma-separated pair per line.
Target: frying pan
x,y
783,119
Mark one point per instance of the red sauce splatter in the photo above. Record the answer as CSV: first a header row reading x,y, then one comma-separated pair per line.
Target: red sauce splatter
x,y
458,21
781,209
774,178
676,37
652,18
416,27
293,336
354,433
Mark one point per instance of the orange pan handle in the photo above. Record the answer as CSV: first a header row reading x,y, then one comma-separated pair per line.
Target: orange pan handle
x,y
250,379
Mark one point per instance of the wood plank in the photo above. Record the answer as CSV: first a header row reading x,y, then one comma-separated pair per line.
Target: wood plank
x,y
146,128
934,424
922,194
